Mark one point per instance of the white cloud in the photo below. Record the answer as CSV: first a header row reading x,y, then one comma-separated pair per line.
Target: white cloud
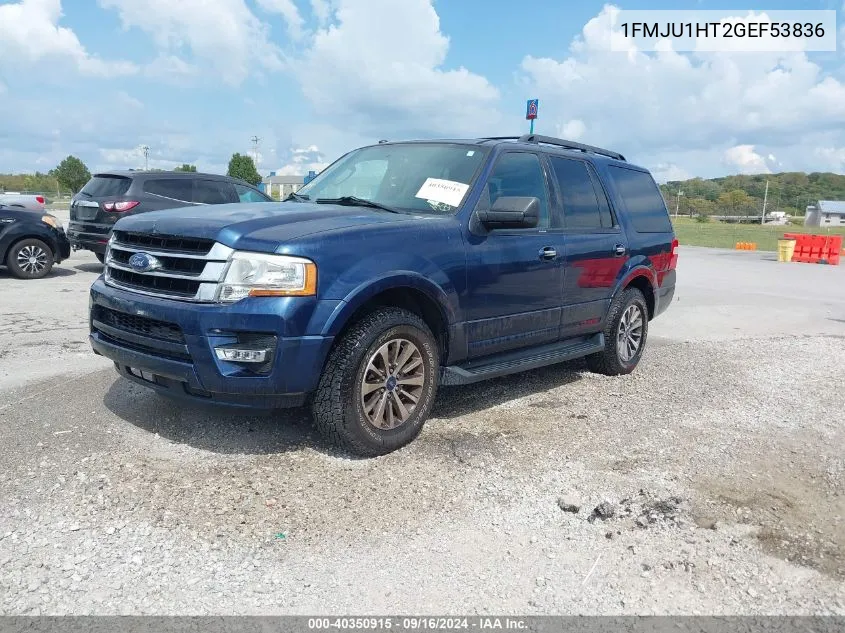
x,y
664,172
833,158
170,68
30,33
302,160
380,67
222,33
320,9
652,105
745,160
287,9
572,130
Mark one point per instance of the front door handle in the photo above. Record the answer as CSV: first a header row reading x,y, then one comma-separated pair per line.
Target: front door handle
x,y
548,252
619,250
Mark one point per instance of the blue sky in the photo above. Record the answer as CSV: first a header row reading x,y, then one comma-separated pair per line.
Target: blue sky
x,y
196,79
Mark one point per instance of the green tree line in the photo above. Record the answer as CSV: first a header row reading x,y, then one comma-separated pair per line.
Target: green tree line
x,y
790,192
71,174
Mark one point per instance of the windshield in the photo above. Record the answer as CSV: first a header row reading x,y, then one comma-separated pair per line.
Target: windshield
x,y
411,177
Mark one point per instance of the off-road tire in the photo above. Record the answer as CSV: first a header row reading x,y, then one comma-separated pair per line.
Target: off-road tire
x,y
609,361
337,409
15,268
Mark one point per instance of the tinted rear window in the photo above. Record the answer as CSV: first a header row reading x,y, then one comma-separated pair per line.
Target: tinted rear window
x,y
174,188
583,206
643,200
214,192
106,186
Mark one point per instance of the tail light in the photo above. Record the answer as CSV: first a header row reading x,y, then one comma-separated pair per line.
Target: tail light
x,y
673,256
40,199
120,207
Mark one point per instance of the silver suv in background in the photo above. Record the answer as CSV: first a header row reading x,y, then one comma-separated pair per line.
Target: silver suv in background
x,y
109,196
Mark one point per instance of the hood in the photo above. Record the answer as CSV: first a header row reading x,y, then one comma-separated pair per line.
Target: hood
x,y
255,226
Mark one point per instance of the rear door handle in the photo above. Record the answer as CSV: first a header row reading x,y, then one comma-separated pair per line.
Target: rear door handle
x,y
548,252
619,250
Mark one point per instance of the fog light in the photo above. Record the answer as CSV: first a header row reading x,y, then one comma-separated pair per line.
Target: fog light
x,y
241,355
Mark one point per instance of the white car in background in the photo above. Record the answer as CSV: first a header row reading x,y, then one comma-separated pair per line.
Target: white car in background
x,y
33,202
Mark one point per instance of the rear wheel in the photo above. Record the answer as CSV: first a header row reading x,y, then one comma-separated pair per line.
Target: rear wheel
x,y
624,335
379,384
101,257
30,259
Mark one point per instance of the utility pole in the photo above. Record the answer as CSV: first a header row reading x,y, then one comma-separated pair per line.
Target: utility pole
x,y
765,199
255,140
678,203
146,150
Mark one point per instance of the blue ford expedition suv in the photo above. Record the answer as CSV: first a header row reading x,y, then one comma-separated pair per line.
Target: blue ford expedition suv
x,y
401,267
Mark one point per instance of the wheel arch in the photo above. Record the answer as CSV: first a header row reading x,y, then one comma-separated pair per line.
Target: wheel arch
x,y
643,279
409,291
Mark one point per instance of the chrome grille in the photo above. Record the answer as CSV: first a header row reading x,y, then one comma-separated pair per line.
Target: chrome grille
x,y
189,270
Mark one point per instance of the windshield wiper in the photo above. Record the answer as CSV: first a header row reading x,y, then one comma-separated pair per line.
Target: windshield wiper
x,y
297,197
352,201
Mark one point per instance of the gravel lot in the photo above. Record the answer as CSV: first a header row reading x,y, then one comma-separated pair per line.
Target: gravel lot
x,y
708,482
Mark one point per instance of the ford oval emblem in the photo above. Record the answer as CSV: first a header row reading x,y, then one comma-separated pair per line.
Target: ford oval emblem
x,y
143,263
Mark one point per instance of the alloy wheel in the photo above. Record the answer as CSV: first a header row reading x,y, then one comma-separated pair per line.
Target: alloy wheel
x,y
392,384
629,336
32,259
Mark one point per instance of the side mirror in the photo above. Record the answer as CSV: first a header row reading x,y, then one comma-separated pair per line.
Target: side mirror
x,y
514,212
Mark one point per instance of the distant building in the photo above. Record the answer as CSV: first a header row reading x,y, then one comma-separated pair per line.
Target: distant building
x,y
825,213
281,186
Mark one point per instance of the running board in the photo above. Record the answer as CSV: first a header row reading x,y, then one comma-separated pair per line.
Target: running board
x,y
521,360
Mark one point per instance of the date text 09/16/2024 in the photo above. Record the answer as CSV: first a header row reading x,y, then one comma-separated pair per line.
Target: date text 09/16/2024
x,y
417,623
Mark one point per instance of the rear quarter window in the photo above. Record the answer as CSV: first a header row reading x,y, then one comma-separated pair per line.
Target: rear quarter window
x,y
642,198
174,188
106,186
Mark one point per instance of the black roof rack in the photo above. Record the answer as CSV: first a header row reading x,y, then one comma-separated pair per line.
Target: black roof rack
x,y
559,142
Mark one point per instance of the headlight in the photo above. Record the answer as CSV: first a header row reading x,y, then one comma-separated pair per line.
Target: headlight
x,y
52,221
260,275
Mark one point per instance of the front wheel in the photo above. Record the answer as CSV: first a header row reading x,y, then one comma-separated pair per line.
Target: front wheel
x,y
379,384
30,259
624,335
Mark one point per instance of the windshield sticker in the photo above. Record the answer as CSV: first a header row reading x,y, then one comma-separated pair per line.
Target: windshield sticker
x,y
445,191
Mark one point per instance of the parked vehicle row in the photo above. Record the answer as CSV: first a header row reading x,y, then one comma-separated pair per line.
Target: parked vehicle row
x,y
93,211
401,267
109,196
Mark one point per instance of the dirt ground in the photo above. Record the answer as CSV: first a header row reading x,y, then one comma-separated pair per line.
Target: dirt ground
x,y
710,481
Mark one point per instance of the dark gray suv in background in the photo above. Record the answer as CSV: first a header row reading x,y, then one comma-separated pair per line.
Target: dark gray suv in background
x,y
109,196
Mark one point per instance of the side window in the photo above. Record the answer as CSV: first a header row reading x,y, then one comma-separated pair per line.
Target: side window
x,y
642,199
213,192
580,203
247,194
173,188
520,174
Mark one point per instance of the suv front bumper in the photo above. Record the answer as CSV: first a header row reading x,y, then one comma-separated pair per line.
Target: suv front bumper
x,y
187,367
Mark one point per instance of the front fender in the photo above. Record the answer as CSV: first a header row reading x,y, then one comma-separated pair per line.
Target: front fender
x,y
389,281
23,230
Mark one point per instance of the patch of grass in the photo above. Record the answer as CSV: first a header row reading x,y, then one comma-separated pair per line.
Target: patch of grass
x,y
722,235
